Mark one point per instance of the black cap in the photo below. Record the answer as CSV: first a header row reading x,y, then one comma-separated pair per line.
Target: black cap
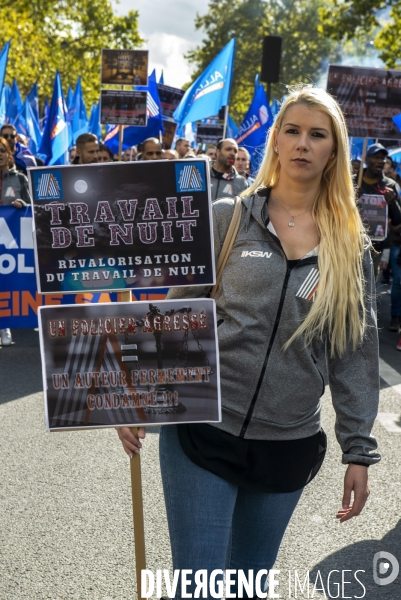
x,y
375,148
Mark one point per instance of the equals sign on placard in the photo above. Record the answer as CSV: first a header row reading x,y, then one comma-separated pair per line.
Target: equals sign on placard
x,y
129,357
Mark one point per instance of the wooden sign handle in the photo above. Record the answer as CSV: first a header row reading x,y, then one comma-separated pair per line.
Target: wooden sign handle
x,y
137,509
137,501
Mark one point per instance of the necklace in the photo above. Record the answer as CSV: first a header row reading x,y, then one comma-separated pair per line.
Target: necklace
x,y
292,222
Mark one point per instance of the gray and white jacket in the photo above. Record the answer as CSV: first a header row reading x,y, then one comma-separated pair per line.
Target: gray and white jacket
x,y
226,185
267,393
14,187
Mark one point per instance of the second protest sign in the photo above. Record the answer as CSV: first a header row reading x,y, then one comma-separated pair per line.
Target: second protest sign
x,y
130,364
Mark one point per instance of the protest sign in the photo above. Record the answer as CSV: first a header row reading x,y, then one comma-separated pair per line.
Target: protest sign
x,y
130,364
119,226
170,98
169,133
124,67
123,108
208,133
369,99
19,299
374,214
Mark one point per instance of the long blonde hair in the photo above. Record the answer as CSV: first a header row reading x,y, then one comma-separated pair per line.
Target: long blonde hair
x,y
339,309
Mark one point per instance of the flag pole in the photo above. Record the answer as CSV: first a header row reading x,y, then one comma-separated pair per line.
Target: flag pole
x,y
225,121
137,511
120,145
365,144
120,151
137,500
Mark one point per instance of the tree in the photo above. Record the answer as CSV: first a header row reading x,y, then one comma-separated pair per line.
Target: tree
x,y
365,20
67,35
305,51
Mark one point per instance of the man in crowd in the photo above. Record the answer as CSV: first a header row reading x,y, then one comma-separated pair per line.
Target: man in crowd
x,y
151,149
23,157
225,180
243,164
182,146
129,154
170,154
211,152
376,183
104,154
72,154
87,149
390,170
355,165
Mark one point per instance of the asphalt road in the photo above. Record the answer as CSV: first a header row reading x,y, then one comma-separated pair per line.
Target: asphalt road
x,y
65,502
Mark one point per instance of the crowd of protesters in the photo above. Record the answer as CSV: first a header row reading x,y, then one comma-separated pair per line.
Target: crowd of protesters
x,y
230,168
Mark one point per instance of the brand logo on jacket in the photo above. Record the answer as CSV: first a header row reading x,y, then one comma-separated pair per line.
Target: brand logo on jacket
x,y
256,254
10,193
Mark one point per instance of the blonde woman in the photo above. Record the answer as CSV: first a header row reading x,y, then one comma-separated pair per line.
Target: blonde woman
x,y
296,297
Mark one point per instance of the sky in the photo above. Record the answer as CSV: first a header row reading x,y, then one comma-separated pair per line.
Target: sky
x,y
169,28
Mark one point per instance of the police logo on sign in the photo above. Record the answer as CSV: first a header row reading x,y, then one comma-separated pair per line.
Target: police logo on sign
x,y
190,177
48,185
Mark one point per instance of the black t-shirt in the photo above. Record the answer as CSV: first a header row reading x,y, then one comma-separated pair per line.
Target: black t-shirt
x,y
270,466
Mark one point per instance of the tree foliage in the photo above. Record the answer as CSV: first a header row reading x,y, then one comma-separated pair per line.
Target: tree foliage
x,y
305,51
364,20
64,35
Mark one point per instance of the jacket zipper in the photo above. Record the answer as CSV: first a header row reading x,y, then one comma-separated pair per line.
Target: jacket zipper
x,y
272,338
217,191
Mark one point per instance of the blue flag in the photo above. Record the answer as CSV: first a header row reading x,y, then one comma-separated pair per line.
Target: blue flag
x,y
275,107
232,128
14,105
77,113
94,121
356,147
253,130
161,80
3,64
4,97
34,100
27,124
43,120
210,91
257,82
70,95
135,135
56,139
397,121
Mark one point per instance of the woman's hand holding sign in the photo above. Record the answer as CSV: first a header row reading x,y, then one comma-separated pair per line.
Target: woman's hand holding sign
x,y
17,204
129,441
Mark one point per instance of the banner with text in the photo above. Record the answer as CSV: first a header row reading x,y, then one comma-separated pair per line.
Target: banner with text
x,y
123,108
19,299
124,67
369,99
130,364
117,226
374,214
169,98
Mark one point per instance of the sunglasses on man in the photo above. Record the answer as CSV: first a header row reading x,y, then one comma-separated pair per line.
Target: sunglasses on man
x,y
9,136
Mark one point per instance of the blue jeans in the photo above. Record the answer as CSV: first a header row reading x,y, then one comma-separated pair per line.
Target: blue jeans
x,y
214,524
396,286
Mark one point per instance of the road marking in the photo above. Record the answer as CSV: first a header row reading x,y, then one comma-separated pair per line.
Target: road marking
x,y
391,421
390,375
